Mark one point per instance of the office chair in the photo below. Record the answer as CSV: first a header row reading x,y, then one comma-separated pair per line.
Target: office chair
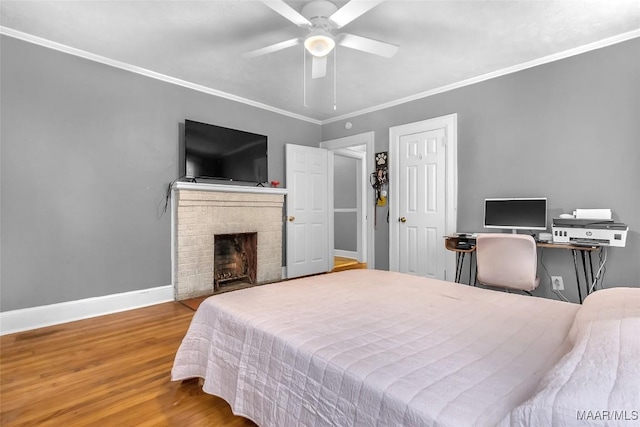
x,y
507,261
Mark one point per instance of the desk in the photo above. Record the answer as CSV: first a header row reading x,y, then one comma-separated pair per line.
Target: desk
x,y
584,252
451,243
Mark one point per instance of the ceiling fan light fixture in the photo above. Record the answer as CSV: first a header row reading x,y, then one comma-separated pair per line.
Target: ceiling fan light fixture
x,y
319,43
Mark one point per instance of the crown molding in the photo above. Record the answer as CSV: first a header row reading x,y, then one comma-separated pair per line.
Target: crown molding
x,y
200,88
509,70
147,73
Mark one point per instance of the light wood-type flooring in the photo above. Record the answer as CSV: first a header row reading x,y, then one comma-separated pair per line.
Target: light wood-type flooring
x,y
106,371
110,370
342,263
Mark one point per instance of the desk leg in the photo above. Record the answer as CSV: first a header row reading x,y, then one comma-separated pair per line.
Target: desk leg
x,y
460,256
586,258
459,264
575,265
583,255
475,276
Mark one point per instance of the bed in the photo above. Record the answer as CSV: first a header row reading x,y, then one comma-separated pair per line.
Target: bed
x,y
379,348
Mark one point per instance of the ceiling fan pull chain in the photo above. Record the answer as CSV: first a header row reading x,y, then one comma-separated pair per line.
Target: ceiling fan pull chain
x,y
304,77
335,78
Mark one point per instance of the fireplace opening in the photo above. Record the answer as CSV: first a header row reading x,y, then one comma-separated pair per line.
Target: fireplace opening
x,y
235,259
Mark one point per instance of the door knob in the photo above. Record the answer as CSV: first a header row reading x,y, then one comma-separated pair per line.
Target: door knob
x,y
402,219
291,218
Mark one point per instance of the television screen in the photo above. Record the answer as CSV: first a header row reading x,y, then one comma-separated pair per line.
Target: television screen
x,y
221,153
516,213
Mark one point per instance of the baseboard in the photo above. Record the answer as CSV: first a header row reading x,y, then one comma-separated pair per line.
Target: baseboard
x,y
54,314
345,254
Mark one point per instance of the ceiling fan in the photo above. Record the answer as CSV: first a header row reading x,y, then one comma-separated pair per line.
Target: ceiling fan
x,y
322,18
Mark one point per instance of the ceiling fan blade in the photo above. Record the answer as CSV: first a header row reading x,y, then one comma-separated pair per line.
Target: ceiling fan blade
x,y
288,12
367,45
272,48
352,10
319,67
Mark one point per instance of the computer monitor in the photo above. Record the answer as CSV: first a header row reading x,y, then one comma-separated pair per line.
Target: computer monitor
x,y
516,213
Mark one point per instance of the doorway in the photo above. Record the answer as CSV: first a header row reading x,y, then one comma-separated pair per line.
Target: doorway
x,y
348,218
423,200
359,148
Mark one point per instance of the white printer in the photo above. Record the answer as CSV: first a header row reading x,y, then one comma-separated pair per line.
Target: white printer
x,y
589,232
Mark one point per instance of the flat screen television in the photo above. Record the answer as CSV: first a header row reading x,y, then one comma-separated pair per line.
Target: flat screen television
x,y
516,213
215,152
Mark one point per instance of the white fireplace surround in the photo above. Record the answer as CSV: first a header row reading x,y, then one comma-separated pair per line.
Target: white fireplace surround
x,y
200,211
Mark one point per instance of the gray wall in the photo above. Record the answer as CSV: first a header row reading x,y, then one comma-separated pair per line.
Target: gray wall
x,y
87,153
345,196
568,130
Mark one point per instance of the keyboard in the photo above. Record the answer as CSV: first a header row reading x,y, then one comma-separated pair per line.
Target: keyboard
x,y
467,235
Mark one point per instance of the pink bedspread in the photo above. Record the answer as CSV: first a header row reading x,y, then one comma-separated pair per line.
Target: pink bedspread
x,y
373,348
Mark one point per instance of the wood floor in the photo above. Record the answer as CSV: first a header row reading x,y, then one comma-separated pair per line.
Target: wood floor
x,y
341,264
107,371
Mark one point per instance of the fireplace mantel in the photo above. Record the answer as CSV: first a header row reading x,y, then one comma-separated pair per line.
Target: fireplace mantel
x,y
227,188
201,211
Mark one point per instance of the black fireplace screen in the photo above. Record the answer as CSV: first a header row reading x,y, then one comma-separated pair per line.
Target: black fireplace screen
x,y
235,258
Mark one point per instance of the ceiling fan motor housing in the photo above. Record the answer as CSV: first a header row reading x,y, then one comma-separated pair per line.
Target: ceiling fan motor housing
x,y
318,12
319,42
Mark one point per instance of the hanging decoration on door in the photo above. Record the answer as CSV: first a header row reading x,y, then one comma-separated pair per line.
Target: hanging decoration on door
x,y
379,182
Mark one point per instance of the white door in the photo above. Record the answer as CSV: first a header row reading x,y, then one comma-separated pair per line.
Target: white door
x,y
419,208
307,216
421,202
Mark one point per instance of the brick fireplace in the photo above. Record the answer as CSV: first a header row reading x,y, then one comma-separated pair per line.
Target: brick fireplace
x,y
245,221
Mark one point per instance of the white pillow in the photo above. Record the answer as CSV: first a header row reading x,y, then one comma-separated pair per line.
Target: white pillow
x,y
598,382
612,303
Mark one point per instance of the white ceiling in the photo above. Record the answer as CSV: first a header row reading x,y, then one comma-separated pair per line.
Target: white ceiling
x,y
441,43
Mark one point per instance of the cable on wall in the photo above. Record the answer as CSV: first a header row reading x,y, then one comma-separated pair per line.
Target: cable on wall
x,y
167,197
600,273
558,293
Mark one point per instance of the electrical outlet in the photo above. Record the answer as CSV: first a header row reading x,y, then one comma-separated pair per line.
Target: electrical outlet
x,y
557,284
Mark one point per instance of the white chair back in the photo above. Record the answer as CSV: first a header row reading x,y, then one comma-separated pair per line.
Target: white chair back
x,y
507,261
